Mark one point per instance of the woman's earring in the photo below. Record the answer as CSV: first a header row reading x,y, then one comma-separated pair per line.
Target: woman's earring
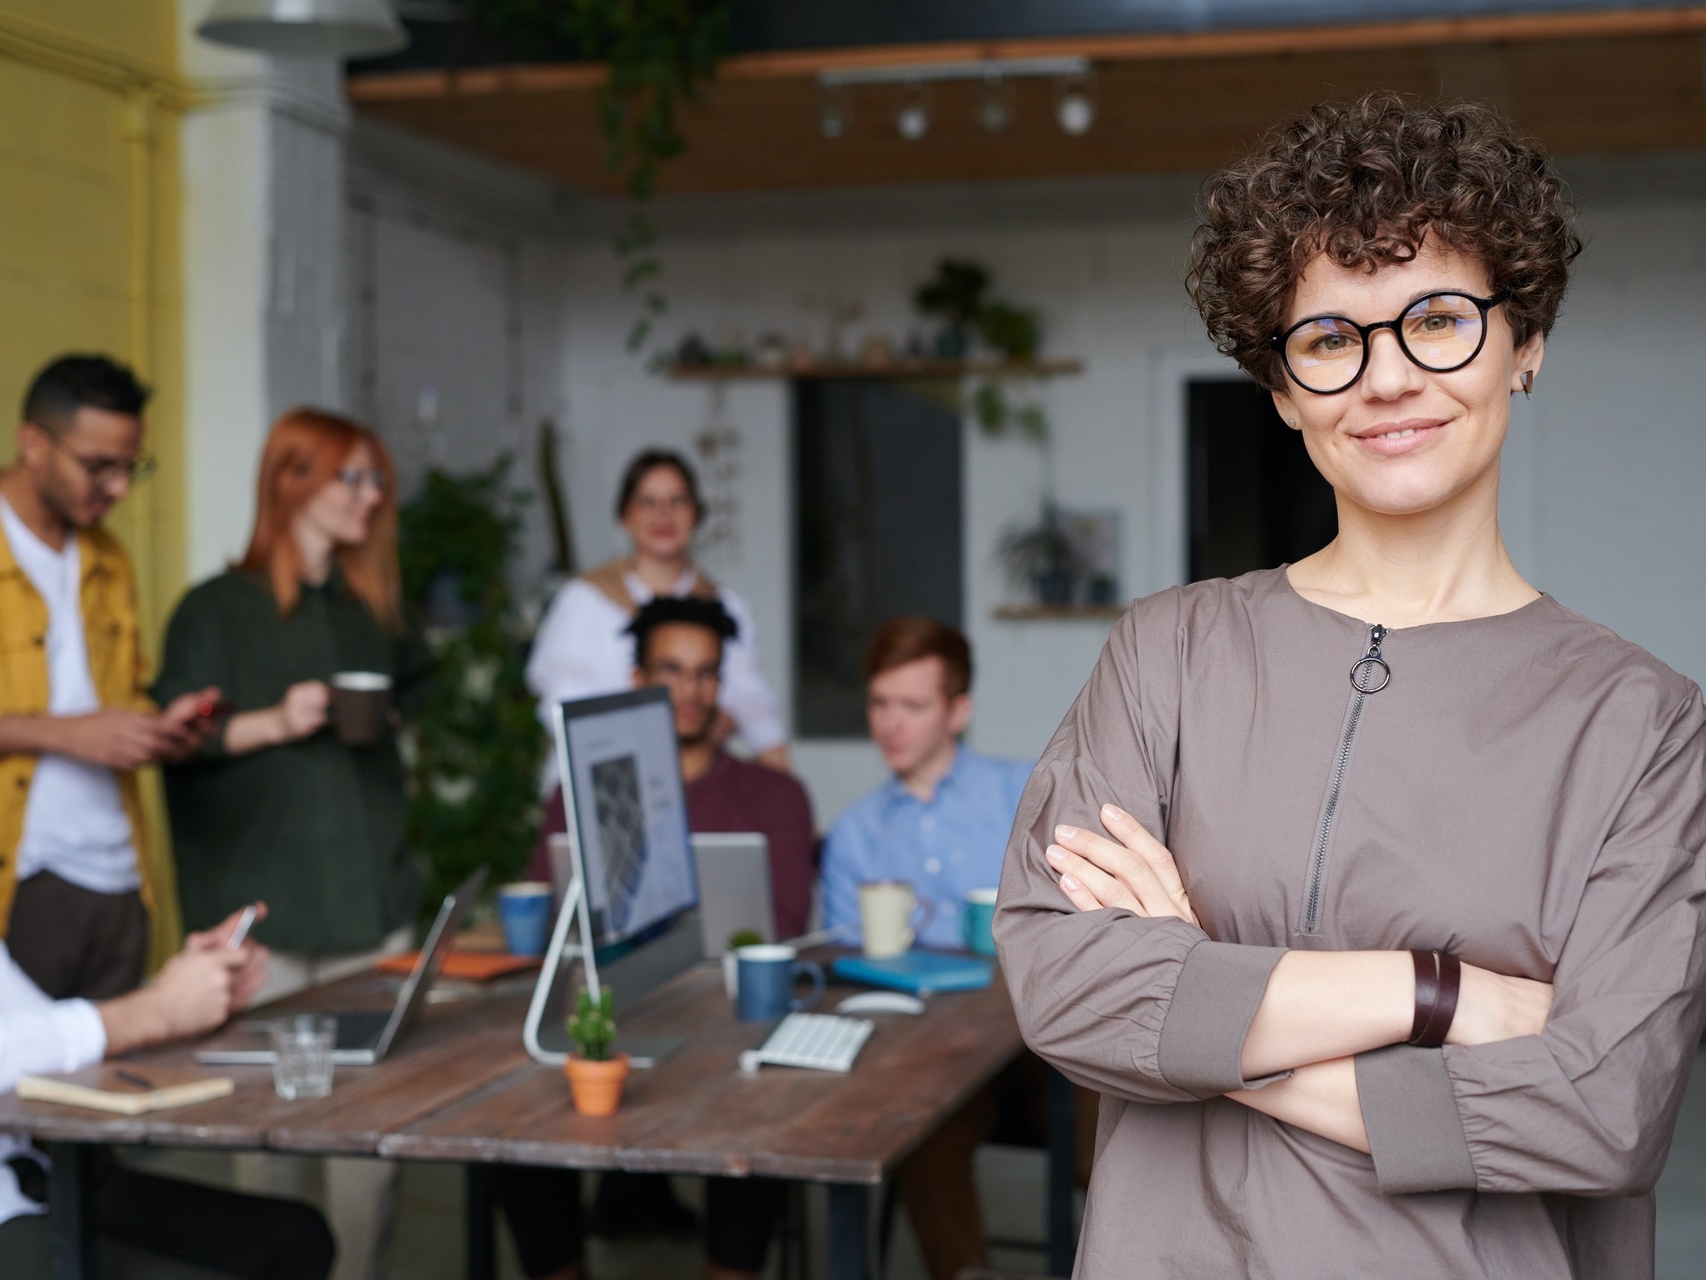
x,y
1527,383
1292,423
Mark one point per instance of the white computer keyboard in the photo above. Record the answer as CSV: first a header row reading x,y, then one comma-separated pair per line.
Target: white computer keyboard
x,y
821,1041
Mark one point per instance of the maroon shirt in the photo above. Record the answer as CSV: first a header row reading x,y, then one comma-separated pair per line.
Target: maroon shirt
x,y
733,795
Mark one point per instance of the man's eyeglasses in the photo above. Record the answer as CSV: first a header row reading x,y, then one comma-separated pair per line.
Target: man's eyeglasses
x,y
104,471
1440,333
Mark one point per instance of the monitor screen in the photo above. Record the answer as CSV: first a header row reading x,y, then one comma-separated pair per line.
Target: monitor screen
x,y
625,802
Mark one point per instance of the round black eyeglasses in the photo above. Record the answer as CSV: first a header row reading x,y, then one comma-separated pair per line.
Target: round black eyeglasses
x,y
1440,332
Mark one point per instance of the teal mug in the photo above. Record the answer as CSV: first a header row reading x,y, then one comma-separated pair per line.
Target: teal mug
x,y
977,921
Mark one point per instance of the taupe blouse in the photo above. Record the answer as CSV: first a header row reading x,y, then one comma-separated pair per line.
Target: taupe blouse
x,y
1527,791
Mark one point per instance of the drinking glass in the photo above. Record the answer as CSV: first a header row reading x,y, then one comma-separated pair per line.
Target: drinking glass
x,y
304,1043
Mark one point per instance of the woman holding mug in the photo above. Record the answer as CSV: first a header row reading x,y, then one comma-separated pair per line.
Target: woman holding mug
x,y
1367,890
583,648
280,805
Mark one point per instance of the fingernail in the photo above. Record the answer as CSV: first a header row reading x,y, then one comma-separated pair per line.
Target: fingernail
x,y
1112,811
1069,884
1055,854
1065,833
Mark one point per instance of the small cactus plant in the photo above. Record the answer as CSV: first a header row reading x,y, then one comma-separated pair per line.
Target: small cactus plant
x,y
593,1027
744,938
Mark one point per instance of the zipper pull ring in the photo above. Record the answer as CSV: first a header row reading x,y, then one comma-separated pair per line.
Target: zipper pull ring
x,y
1369,673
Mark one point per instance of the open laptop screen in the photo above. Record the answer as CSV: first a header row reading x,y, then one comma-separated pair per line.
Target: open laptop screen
x,y
621,776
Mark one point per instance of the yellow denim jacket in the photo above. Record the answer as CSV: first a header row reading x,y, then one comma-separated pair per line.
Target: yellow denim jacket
x,y
108,598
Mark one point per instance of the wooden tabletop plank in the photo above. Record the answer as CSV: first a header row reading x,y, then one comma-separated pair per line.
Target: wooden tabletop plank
x,y
697,1113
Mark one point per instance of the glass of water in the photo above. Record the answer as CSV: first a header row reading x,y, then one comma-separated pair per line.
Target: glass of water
x,y
303,1067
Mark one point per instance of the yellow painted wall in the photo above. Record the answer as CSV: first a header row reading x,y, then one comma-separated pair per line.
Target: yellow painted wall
x,y
89,249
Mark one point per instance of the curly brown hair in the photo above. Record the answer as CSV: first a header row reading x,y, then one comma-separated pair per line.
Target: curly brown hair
x,y
1363,184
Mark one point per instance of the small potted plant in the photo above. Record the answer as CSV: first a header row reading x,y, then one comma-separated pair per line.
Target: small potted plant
x,y
595,1070
738,939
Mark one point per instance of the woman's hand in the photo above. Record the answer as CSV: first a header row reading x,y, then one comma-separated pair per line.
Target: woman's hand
x,y
1492,1007
1133,870
304,709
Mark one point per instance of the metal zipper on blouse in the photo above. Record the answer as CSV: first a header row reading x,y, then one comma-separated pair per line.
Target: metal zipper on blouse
x,y
1369,675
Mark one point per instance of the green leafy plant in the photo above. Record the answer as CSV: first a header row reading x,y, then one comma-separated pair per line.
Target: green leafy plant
x,y
592,1028
955,293
659,54
1042,557
744,938
959,294
475,749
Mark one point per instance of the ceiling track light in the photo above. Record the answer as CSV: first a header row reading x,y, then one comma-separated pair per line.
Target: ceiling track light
x,y
995,104
835,116
1075,102
912,121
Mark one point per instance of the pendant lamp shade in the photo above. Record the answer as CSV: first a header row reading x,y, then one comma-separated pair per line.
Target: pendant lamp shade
x,y
327,28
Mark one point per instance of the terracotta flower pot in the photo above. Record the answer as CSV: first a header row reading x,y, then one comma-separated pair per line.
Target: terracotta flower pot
x,y
596,1086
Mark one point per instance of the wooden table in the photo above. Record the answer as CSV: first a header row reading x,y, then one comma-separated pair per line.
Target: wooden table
x,y
460,1088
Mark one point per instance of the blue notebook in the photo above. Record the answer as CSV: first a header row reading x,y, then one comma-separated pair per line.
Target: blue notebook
x,y
920,972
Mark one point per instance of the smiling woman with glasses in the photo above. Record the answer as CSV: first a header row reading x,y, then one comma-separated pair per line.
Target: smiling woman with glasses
x,y
1368,890
582,650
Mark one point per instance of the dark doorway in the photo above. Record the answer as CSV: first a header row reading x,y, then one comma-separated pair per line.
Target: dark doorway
x,y
877,531
1256,500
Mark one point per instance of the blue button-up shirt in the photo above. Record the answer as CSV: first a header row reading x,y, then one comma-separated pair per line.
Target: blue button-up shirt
x,y
944,848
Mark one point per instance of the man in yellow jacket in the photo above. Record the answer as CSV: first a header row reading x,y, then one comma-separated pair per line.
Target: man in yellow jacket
x,y
75,724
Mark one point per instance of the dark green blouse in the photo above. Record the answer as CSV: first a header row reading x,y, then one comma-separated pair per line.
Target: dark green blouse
x,y
315,828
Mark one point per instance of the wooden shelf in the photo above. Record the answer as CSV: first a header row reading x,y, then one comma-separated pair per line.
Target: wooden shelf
x,y
898,369
1059,612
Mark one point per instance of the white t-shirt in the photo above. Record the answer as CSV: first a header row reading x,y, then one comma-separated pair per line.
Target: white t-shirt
x,y
37,1034
581,651
74,821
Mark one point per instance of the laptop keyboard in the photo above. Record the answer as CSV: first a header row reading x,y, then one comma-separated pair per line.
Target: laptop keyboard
x,y
820,1041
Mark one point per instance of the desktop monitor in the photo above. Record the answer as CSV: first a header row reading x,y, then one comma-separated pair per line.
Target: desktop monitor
x,y
628,848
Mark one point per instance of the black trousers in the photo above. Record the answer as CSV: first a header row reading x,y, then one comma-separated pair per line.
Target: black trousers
x,y
74,943
251,1237
543,1208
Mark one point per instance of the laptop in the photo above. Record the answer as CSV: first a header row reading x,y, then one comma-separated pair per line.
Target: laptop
x,y
734,887
365,1036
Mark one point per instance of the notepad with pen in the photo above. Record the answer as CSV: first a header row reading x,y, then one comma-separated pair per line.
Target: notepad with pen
x,y
124,1091
920,972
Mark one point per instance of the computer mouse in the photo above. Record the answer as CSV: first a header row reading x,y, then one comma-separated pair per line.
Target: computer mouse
x,y
881,1002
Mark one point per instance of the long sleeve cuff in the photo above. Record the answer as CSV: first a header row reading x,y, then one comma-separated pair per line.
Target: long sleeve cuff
x,y
1410,1114
1220,987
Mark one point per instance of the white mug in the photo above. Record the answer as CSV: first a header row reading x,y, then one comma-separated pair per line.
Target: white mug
x,y
886,917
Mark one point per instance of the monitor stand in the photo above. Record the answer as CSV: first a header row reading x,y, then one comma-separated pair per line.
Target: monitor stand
x,y
637,973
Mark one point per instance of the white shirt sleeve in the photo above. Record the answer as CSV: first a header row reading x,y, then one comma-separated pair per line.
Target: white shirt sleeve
x,y
38,1034
580,650
746,694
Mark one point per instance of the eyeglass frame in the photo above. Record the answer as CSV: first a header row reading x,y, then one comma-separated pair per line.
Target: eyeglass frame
x,y
353,478
107,470
1367,331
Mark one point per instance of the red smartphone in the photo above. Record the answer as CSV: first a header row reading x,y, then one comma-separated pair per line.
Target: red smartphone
x,y
208,709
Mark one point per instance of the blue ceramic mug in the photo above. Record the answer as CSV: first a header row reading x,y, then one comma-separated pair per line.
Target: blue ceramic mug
x,y
977,922
764,982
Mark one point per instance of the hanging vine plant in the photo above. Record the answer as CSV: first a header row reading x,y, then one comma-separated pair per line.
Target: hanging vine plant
x,y
659,53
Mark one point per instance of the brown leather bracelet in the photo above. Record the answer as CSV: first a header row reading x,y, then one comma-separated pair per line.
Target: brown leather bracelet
x,y
1439,975
1427,991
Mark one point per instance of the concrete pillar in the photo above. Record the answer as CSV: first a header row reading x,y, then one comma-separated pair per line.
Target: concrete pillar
x,y
264,298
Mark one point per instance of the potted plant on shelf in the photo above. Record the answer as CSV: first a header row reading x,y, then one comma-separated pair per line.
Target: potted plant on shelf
x,y
595,1070
1043,558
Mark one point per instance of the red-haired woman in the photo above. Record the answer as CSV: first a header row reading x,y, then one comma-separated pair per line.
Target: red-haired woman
x,y
276,807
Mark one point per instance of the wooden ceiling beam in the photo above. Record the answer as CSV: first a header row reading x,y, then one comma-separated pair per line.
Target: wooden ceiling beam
x,y
399,86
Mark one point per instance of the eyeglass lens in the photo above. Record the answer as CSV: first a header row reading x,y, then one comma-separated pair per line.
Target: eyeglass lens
x,y
1440,333
355,477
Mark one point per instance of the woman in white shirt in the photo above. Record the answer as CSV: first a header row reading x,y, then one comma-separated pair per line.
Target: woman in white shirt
x,y
583,649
